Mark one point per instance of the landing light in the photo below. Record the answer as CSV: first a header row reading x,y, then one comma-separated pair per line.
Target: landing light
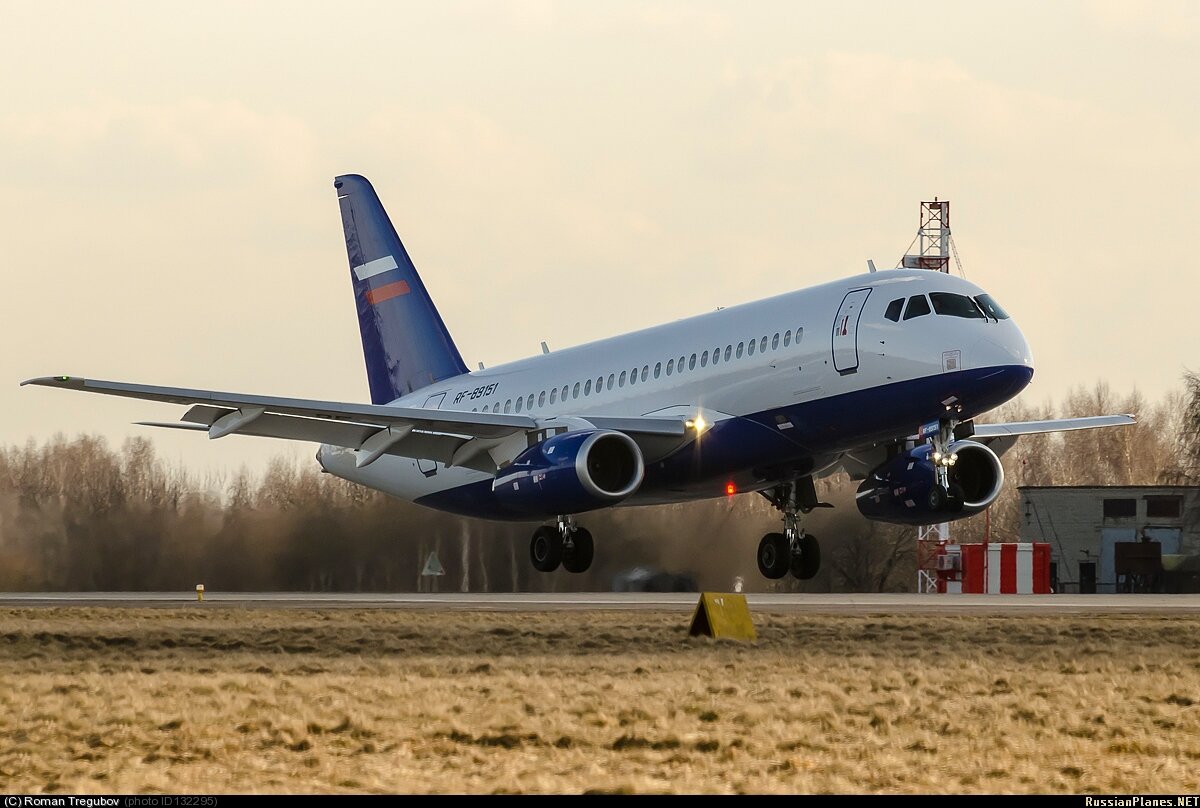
x,y
730,489
698,424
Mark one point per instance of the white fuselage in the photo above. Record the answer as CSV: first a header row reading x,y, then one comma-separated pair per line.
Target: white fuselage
x,y
827,342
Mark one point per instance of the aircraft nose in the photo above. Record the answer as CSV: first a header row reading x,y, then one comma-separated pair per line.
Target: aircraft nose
x,y
997,350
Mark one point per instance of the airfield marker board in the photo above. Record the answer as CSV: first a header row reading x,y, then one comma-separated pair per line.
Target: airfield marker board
x,y
723,615
433,566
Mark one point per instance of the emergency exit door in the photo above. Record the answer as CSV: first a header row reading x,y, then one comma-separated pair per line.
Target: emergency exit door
x,y
845,331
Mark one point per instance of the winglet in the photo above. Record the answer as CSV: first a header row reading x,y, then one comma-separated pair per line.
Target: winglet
x,y
69,382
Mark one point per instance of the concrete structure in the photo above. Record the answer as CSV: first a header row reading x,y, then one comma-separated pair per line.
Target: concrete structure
x,y
1083,524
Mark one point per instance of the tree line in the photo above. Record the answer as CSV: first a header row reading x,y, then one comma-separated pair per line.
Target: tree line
x,y
78,514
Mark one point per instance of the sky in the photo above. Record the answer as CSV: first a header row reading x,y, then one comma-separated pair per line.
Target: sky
x,y
568,171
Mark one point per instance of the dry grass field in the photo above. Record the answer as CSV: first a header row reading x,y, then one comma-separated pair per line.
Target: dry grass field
x,y
227,700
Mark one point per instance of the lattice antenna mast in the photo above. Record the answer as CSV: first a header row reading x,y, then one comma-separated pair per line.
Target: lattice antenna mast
x,y
934,242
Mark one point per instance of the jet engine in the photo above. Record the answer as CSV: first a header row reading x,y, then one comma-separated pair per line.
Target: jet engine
x,y
570,473
904,490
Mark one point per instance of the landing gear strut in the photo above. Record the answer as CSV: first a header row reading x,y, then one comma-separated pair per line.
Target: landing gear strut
x,y
945,494
565,543
793,550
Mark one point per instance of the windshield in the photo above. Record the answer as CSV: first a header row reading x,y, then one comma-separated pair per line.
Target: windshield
x,y
955,306
991,307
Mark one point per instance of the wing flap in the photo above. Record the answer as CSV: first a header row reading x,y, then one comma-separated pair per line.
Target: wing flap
x,y
439,448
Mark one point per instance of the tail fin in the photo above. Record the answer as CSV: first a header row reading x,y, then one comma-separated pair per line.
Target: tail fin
x,y
405,342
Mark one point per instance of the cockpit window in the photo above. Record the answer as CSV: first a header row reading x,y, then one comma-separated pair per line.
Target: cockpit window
x,y
991,307
956,306
893,310
918,306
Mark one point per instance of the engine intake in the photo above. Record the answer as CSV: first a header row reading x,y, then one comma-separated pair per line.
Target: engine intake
x,y
902,490
571,473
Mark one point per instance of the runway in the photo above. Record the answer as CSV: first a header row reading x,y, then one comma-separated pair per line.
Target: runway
x,y
608,601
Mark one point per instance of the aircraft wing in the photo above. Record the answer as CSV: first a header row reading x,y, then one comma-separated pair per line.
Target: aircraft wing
x,y
1056,425
452,437
1001,437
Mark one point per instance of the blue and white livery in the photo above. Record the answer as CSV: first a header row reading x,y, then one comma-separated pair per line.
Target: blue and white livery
x,y
879,374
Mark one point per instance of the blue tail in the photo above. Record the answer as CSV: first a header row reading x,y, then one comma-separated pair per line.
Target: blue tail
x,y
405,342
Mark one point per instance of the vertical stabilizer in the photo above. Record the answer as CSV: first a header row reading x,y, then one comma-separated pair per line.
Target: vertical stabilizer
x,y
405,343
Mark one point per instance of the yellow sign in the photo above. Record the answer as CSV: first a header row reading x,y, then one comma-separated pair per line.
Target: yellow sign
x,y
724,616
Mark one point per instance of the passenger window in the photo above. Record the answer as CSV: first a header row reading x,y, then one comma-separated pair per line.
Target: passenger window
x,y
657,369
893,310
679,365
645,372
991,307
621,381
553,395
787,338
508,405
520,403
587,388
728,352
485,408
741,345
692,363
599,384
953,305
918,306
775,341
799,334
750,346
704,359
542,399
529,403
670,366
762,345
575,391
611,381
564,392
633,377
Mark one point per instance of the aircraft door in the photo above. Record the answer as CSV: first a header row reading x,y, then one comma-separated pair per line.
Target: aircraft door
x,y
845,331
434,402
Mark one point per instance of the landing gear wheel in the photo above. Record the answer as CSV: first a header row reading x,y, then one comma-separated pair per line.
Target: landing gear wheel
x,y
579,557
806,565
938,498
956,499
546,549
774,555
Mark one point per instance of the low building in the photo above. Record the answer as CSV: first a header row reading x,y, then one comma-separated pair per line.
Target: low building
x,y
1083,525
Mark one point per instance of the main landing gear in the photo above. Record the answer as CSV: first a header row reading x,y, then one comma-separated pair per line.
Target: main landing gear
x,y
566,544
793,550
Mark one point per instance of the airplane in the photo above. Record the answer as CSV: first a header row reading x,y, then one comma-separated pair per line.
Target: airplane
x,y
880,375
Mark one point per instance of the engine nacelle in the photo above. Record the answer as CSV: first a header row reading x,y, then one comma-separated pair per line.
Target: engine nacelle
x,y
902,490
570,473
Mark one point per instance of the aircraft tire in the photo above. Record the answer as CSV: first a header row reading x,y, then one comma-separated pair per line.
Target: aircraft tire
x,y
774,555
580,556
546,549
808,563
